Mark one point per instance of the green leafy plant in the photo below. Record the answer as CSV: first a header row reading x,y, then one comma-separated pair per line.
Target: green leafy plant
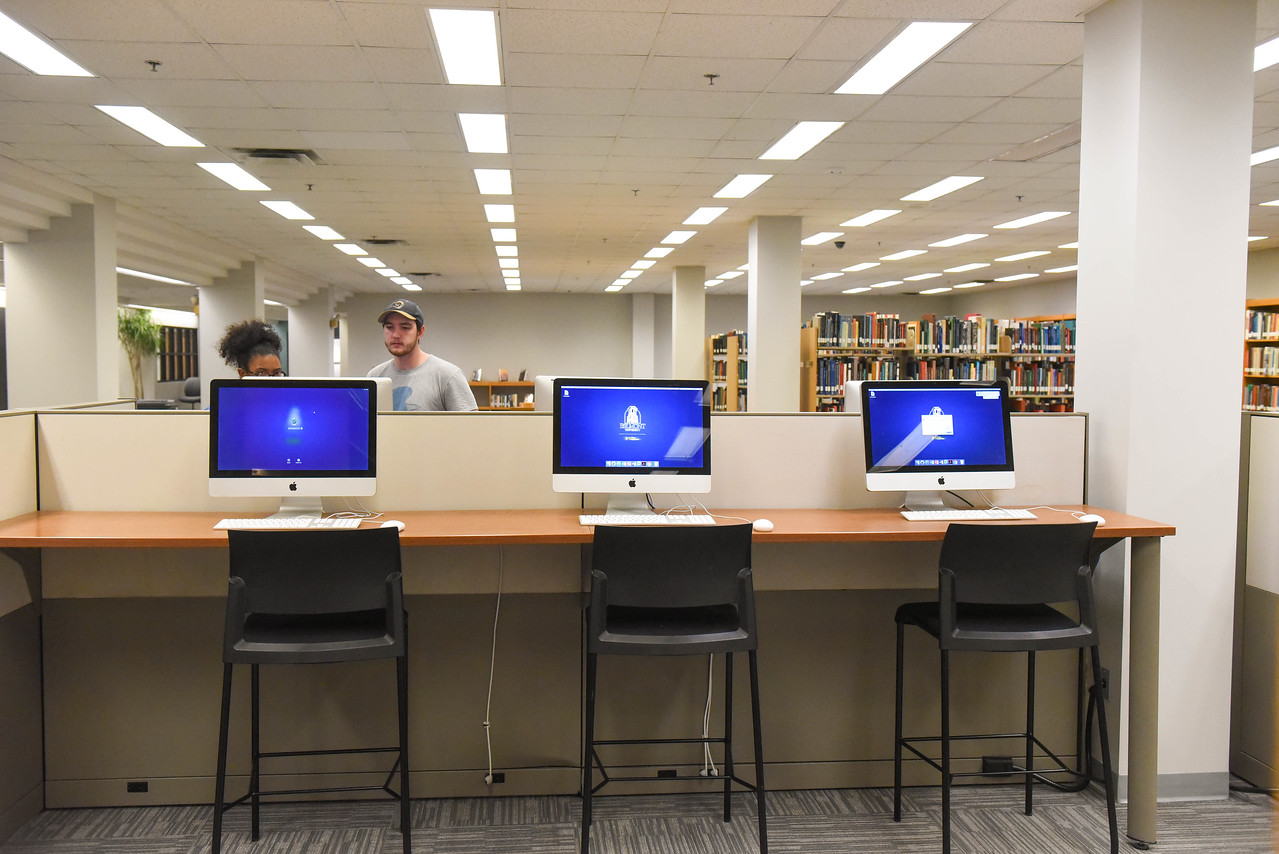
x,y
140,336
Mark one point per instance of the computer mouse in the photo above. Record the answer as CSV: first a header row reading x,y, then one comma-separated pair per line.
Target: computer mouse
x,y
762,525
1093,517
393,523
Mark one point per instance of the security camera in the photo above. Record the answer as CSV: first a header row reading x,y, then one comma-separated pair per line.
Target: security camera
x,y
839,244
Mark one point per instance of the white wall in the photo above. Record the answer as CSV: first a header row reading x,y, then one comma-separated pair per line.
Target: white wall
x,y
1263,274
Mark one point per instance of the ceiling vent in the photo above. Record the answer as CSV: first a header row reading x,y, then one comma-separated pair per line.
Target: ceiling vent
x,y
421,275
304,156
384,241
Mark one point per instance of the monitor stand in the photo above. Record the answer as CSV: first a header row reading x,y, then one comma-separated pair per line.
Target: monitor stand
x,y
628,504
298,506
932,499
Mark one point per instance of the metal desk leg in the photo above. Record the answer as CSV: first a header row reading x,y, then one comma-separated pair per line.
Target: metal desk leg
x,y
1143,701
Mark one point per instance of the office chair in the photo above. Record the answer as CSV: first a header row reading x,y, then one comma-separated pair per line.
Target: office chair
x,y
672,591
190,392
996,588
304,597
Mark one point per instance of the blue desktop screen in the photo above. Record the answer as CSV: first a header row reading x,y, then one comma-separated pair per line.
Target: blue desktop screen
x,y
273,428
629,426
921,426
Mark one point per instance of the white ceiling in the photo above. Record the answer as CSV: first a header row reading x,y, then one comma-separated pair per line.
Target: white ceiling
x,y
616,135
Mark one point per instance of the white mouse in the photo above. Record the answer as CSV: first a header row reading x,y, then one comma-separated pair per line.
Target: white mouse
x,y
762,525
393,523
1093,517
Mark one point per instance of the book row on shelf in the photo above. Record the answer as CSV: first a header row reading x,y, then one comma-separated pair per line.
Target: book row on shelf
x,y
719,370
1042,378
949,334
1262,360
719,343
1260,397
1261,324
859,330
833,373
720,399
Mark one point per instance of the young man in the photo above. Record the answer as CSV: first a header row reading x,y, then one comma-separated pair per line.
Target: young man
x,y
419,381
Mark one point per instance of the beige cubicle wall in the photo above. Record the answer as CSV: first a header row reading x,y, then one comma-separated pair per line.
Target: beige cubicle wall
x,y
132,655
21,771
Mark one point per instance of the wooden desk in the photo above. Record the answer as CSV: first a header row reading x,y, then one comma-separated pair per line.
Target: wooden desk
x,y
144,530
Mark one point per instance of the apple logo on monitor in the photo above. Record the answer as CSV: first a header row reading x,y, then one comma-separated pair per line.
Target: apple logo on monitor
x,y
941,481
631,484
293,487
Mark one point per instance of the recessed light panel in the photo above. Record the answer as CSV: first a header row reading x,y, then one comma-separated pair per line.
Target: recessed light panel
x,y
869,218
30,51
964,268
704,215
941,188
323,232
493,182
820,238
151,126
485,133
288,210
233,174
741,186
371,262
467,42
914,46
904,254
1043,216
1022,256
957,240
500,213
799,140
857,268
678,237
350,248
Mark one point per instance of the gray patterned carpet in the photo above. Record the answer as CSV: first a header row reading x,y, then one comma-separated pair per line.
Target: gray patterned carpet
x,y
986,820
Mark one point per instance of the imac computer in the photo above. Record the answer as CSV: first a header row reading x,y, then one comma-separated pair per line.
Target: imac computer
x,y
296,439
631,437
930,437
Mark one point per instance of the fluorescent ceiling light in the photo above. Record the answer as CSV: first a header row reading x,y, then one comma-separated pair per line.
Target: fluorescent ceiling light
x,y
631,274
371,262
234,175
273,302
402,280
349,248
731,274
411,287
511,280
710,283
820,238
821,277
957,240
621,283
153,277
803,283
1074,245
935,291
500,213
151,126
1017,277
922,276
887,284
1043,216
323,232
1049,143
799,140
388,272
658,252
493,182
1264,156
964,268
857,268
868,218
678,237
503,235
741,186
485,133
904,254
1270,204
912,47
614,288
508,263
856,290
29,50
507,251
745,267
704,216
968,285
1265,55
288,210
1251,238
1022,256
642,265
941,188
467,41
1070,269
514,286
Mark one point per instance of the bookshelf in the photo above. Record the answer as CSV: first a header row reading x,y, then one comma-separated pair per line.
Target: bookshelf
x,y
503,396
1261,356
726,370
1036,355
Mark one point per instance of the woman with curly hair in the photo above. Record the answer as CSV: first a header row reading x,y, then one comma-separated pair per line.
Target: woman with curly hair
x,y
252,347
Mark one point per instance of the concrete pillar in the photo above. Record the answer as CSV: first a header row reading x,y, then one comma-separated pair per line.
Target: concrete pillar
x,y
773,314
688,323
311,336
643,335
1163,222
231,299
60,288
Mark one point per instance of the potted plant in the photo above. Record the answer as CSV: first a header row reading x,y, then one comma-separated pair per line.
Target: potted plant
x,y
140,336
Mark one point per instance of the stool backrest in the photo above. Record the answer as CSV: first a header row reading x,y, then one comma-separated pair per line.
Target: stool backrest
x,y
672,567
1016,564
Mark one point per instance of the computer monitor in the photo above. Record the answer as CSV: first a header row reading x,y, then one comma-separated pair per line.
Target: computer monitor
x,y
930,437
296,439
630,438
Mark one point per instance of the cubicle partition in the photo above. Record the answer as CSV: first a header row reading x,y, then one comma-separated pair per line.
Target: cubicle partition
x,y
132,636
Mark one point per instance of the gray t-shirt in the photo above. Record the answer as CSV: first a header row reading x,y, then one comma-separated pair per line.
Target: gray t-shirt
x,y
433,386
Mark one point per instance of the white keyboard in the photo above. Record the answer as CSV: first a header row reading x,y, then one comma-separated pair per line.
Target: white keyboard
x,y
645,519
995,513
288,524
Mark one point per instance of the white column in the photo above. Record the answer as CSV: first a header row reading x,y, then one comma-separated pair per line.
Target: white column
x,y
1164,194
688,323
231,299
643,335
311,336
60,289
773,314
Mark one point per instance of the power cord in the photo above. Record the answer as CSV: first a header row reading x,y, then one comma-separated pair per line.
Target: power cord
x,y
488,702
708,761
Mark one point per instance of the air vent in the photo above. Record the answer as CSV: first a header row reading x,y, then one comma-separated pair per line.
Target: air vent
x,y
304,156
421,275
383,241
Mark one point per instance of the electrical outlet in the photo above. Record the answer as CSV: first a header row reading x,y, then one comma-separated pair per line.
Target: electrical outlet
x,y
499,777
996,764
137,787
666,772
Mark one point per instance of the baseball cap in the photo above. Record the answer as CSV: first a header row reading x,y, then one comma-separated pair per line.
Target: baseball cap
x,y
408,308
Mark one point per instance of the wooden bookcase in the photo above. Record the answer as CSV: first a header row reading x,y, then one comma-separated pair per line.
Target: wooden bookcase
x,y
1261,356
1036,355
726,370
504,396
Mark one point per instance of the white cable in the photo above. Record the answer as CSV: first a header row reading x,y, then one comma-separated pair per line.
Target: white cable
x,y
692,503
708,761
488,703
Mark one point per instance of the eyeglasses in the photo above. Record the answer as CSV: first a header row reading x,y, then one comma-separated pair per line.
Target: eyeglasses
x,y
278,372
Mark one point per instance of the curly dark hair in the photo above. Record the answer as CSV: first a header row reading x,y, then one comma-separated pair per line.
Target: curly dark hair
x,y
247,339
